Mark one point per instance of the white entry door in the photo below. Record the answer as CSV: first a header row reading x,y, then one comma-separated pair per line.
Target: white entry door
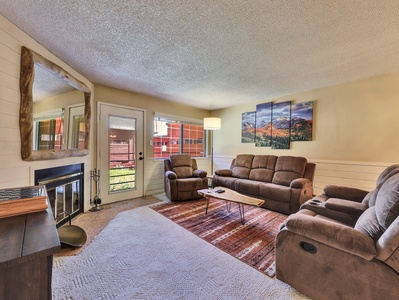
x,y
121,153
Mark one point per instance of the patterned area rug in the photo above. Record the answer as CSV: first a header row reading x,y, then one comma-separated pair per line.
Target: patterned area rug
x,y
252,242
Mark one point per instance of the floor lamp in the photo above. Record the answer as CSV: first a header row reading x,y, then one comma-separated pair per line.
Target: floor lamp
x,y
211,124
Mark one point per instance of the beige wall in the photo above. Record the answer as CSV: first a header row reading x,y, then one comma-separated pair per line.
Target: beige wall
x,y
355,121
65,100
355,133
150,105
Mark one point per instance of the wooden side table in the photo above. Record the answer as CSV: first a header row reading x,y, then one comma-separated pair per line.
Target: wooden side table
x,y
27,245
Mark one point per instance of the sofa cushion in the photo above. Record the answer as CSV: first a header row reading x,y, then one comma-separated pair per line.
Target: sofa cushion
x,y
387,201
368,224
288,168
263,168
247,187
274,192
227,182
242,165
181,165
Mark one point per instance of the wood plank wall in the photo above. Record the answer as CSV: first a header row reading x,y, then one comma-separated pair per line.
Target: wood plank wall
x,y
13,172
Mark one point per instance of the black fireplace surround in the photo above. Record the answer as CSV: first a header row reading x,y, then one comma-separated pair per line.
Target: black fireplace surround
x,y
65,186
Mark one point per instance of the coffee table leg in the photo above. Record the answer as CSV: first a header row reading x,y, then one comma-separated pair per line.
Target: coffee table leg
x,y
242,213
207,205
228,205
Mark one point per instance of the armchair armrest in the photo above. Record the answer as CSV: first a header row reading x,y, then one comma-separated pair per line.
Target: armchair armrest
x,y
199,173
224,172
334,234
344,192
171,175
346,206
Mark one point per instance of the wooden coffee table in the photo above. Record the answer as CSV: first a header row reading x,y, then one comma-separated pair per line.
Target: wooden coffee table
x,y
230,196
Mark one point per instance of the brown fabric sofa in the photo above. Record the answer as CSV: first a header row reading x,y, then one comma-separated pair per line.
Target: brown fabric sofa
x,y
344,245
183,178
284,182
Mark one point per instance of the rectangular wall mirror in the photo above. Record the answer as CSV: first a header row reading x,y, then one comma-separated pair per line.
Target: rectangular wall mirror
x,y
55,110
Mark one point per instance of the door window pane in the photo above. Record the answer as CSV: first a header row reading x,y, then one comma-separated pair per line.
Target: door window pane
x,y
122,153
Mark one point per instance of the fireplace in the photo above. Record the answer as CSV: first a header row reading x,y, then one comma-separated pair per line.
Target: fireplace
x,y
64,187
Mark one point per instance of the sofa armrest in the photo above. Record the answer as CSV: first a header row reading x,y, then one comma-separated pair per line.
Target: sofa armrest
x,y
171,175
300,183
199,173
224,172
344,192
334,234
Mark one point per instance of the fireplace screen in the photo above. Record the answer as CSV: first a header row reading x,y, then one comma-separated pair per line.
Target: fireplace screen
x,y
65,191
65,199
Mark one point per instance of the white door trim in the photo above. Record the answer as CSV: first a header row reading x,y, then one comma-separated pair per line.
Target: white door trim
x,y
98,146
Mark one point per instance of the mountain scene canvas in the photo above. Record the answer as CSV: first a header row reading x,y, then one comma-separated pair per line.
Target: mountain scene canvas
x,y
263,129
248,127
302,121
281,119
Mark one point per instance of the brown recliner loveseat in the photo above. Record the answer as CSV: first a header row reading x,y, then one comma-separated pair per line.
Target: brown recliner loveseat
x,y
284,182
344,244
183,178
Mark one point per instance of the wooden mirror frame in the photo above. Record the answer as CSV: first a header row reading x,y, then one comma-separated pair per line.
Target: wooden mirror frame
x,y
28,60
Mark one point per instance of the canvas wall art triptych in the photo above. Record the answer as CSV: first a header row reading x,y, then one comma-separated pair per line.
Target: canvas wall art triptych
x,y
275,125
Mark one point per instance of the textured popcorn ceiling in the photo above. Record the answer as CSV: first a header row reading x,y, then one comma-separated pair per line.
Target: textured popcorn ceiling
x,y
215,53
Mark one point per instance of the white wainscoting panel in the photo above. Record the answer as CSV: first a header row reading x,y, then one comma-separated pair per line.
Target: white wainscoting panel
x,y
153,176
362,175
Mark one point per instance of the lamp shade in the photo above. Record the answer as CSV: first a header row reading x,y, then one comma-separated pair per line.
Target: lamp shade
x,y
212,123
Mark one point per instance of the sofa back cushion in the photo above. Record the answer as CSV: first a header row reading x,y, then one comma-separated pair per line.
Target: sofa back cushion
x,y
386,174
242,165
289,168
376,219
182,165
263,168
368,224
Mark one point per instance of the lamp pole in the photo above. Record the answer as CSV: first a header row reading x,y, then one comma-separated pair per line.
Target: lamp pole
x,y
211,152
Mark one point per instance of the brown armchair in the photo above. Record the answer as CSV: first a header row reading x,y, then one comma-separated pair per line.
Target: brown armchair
x,y
183,178
344,245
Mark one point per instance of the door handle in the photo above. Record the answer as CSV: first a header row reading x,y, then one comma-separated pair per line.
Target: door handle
x,y
141,158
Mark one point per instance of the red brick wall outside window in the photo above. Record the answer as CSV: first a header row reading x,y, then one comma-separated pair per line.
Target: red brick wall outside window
x,y
179,138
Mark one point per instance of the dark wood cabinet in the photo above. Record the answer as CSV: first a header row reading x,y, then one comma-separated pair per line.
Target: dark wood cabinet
x,y
27,245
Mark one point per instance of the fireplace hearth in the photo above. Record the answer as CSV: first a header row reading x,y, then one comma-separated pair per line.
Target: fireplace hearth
x,y
65,188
